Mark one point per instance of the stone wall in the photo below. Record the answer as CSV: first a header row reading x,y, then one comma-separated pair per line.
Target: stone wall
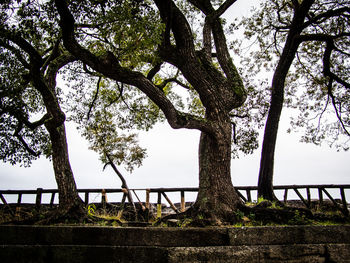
x,y
110,244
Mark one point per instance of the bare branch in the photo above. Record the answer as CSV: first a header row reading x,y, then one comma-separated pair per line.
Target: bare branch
x,y
121,177
23,142
335,107
95,97
326,15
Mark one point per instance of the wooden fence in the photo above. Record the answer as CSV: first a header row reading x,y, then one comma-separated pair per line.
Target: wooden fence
x,y
245,193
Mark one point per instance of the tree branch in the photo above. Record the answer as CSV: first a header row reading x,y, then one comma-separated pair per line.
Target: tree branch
x,y
121,177
154,71
23,44
23,142
327,64
325,15
330,93
222,9
109,66
175,20
95,97
16,52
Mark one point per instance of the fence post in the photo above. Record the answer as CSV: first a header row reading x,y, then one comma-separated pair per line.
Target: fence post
x,y
86,198
183,203
52,199
19,199
159,205
301,197
121,208
320,195
249,196
148,191
38,197
345,205
104,198
285,197
308,194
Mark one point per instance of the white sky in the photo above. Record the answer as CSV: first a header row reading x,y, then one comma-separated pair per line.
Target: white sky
x,y
172,162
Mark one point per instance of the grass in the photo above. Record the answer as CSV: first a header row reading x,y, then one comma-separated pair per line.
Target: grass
x,y
321,215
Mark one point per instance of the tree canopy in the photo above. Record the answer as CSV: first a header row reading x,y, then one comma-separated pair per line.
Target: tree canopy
x,y
317,84
129,64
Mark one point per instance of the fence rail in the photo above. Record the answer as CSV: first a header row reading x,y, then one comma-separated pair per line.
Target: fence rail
x,y
245,193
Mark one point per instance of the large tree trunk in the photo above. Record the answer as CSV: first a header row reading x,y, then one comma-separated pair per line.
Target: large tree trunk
x,y
70,204
265,182
217,198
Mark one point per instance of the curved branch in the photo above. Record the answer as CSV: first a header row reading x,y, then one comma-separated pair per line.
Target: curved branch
x,y
16,52
214,26
23,142
23,44
109,66
175,20
325,15
330,93
327,64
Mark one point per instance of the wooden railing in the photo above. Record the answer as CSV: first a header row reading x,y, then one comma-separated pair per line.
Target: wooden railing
x,y
245,193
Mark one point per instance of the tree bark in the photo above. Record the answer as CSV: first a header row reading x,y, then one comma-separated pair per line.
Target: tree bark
x,y
265,182
69,201
217,199
70,204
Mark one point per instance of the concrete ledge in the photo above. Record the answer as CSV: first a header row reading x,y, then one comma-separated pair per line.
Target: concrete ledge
x,y
78,253
240,254
109,244
114,236
280,235
173,237
305,253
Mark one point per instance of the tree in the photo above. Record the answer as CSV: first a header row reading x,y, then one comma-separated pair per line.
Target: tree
x,y
314,33
32,56
208,70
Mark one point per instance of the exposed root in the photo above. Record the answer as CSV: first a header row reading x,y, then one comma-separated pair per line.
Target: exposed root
x,y
258,215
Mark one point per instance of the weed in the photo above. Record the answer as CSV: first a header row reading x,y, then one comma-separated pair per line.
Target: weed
x,y
239,214
91,209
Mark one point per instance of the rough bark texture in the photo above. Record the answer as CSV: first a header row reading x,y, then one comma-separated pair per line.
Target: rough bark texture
x,y
265,182
217,197
70,203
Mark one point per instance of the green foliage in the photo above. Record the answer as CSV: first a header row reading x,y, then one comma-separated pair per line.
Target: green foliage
x,y
299,219
117,111
321,102
21,105
130,29
91,210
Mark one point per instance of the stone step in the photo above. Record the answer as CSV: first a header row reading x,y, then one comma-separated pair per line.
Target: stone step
x,y
297,253
136,244
172,236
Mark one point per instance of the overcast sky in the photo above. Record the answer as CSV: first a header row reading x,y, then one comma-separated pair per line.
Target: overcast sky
x,y
172,162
